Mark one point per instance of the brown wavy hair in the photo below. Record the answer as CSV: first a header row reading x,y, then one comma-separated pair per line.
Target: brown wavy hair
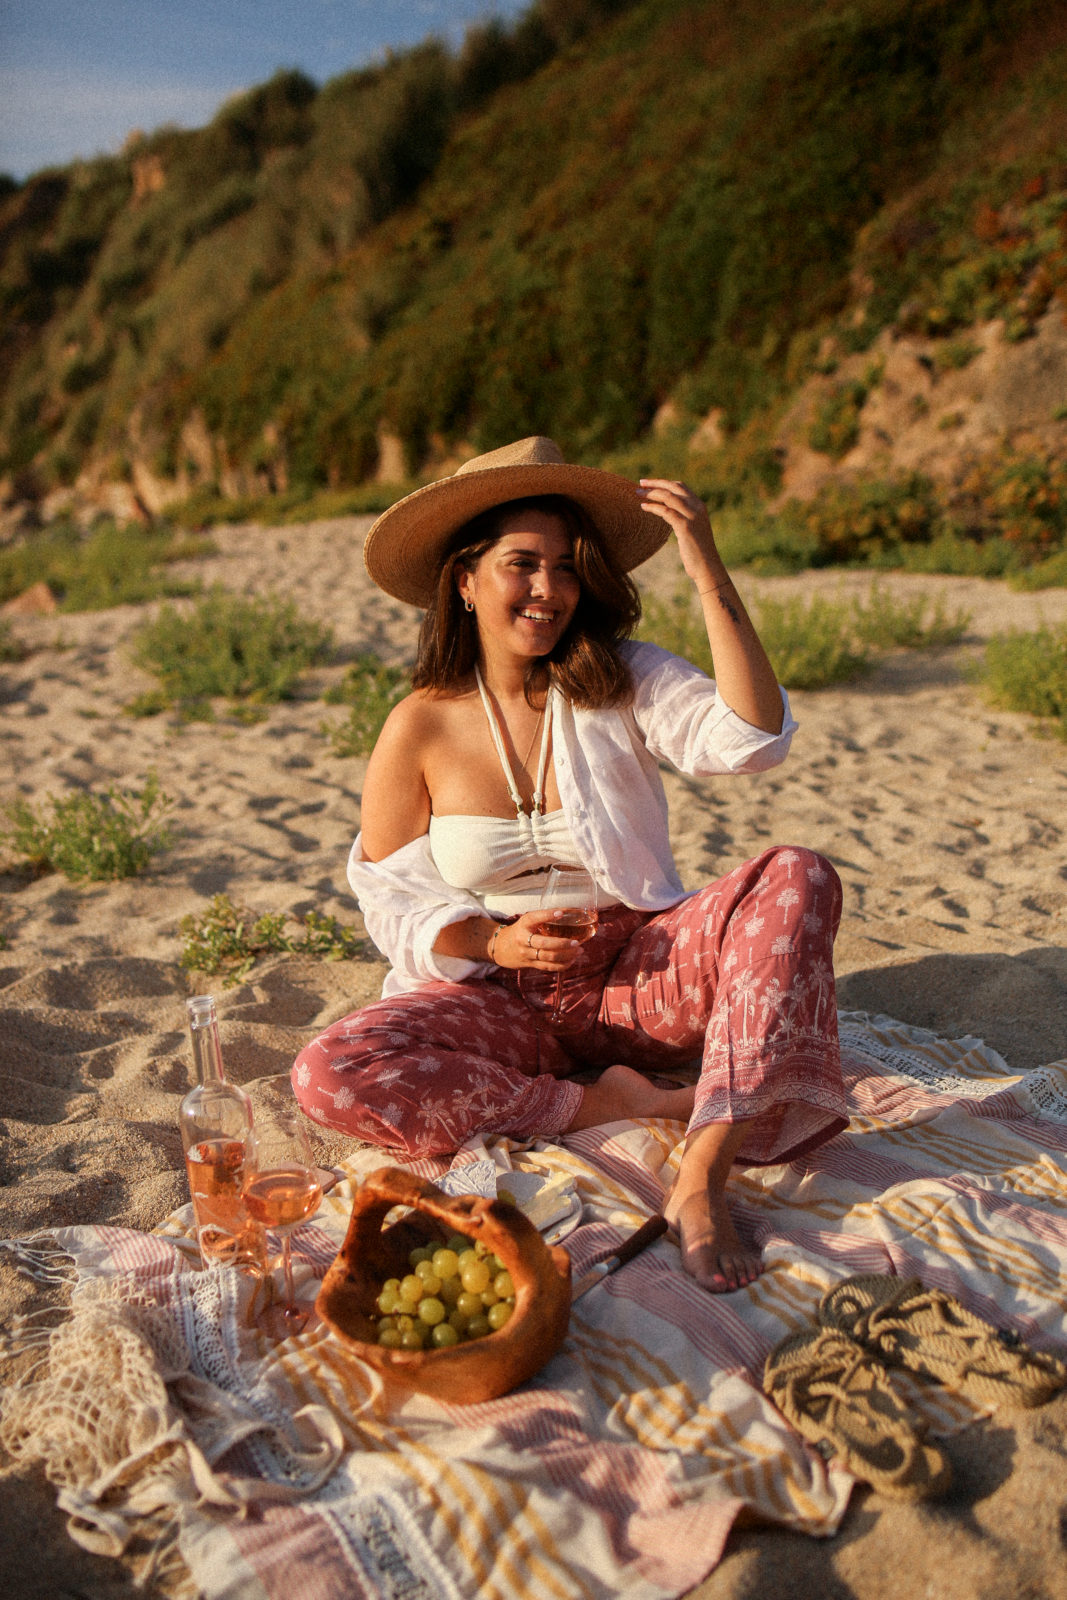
x,y
585,664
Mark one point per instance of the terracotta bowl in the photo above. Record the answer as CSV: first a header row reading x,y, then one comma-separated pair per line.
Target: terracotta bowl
x,y
463,1373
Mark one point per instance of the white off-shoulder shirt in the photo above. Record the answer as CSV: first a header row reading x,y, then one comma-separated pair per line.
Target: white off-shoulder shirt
x,y
607,772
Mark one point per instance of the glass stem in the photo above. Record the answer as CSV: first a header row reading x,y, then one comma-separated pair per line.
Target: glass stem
x,y
287,1264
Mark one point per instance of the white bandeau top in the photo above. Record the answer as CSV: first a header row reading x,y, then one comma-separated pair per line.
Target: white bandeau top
x,y
504,860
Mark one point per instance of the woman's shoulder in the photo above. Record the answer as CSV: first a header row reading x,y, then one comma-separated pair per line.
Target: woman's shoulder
x,y
420,715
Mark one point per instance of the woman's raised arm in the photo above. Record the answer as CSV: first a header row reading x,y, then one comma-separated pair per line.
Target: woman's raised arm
x,y
743,674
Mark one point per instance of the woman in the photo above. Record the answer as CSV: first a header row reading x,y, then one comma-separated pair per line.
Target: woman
x,y
532,738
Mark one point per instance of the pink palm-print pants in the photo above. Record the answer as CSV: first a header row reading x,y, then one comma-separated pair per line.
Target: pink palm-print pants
x,y
739,975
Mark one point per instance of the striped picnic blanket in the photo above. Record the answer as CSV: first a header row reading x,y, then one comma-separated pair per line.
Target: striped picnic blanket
x,y
621,1467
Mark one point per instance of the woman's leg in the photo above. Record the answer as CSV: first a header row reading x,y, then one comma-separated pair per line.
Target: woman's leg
x,y
422,1072
741,973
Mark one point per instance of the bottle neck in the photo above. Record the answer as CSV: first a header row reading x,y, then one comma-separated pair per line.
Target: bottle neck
x,y
207,1050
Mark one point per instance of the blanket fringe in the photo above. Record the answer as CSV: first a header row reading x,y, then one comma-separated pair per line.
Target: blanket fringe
x,y
41,1257
126,1456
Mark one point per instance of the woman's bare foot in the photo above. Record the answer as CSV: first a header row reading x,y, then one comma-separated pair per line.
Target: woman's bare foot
x,y
621,1093
696,1208
712,1253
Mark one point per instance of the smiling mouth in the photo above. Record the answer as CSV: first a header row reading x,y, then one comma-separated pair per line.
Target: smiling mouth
x,y
538,616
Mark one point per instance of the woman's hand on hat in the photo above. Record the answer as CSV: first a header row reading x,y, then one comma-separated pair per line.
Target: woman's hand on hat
x,y
521,944
685,512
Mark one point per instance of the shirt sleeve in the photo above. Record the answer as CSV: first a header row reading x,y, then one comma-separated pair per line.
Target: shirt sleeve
x,y
405,904
686,722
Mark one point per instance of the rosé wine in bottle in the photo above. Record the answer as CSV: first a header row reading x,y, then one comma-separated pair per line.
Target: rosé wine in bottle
x,y
216,1121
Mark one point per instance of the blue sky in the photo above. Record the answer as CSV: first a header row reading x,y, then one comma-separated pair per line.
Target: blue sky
x,y
77,75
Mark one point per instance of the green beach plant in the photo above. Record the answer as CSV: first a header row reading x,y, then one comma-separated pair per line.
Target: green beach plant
x,y
370,690
812,644
91,836
1027,671
228,939
815,643
954,555
1048,574
112,565
245,648
12,648
886,623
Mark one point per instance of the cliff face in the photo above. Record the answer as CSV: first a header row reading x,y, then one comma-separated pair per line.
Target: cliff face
x,y
923,414
663,225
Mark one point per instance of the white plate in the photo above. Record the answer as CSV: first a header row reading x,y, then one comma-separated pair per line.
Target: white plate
x,y
564,1225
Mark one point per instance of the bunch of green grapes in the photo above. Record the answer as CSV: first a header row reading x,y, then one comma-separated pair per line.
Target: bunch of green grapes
x,y
454,1292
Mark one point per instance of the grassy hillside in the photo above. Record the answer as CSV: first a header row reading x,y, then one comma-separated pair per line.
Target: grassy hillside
x,y
608,207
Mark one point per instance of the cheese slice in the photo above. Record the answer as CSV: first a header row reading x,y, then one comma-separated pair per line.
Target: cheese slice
x,y
542,1200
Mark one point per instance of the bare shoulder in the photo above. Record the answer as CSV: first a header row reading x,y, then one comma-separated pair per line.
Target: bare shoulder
x,y
412,721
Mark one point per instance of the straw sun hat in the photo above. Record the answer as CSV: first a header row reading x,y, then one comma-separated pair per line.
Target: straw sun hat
x,y
407,544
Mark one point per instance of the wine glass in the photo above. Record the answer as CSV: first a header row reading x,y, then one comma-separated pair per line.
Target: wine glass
x,y
569,897
282,1189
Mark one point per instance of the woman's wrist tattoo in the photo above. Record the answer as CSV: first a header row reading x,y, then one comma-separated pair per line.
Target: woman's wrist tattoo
x,y
724,600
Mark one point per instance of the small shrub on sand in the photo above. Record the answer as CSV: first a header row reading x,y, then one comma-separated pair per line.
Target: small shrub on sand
x,y
1048,574
11,649
954,555
111,566
228,939
750,537
84,835
244,648
816,643
812,645
370,690
888,624
1028,672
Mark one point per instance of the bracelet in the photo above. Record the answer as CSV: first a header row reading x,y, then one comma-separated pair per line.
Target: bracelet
x,y
725,584
492,942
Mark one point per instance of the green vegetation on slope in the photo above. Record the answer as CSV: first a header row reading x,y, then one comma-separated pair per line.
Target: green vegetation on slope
x,y
611,204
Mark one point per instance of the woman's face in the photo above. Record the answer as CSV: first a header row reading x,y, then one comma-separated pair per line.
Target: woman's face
x,y
524,588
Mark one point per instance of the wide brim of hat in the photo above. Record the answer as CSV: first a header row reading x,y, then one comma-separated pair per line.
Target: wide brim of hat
x,y
404,549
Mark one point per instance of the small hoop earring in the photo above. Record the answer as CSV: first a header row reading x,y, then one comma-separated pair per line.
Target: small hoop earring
x,y
468,605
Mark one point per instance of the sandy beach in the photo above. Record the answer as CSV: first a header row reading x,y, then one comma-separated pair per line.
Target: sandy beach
x,y
945,818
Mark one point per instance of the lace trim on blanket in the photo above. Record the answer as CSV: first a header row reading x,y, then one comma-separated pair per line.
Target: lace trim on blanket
x,y
295,1451
858,1041
386,1546
1046,1091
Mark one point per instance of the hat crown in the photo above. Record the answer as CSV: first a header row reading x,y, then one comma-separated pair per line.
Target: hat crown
x,y
405,549
536,451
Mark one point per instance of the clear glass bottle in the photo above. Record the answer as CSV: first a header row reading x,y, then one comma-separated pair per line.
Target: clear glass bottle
x,y
216,1122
